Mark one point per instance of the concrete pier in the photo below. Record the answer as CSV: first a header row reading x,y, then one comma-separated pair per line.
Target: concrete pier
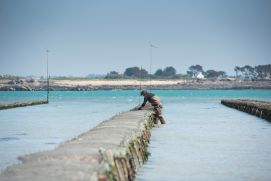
x,y
113,150
21,104
261,109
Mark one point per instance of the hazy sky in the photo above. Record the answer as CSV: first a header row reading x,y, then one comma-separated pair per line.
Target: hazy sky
x,y
87,36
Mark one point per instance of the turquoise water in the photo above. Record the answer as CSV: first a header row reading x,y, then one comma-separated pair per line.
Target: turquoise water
x,y
30,129
202,140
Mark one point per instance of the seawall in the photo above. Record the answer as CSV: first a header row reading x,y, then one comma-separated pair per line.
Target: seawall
x,y
21,104
261,109
113,150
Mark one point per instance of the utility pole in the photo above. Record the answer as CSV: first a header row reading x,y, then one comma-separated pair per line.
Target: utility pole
x,y
151,47
140,85
47,55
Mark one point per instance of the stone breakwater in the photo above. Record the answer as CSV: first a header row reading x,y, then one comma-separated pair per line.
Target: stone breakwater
x,y
261,109
113,150
21,104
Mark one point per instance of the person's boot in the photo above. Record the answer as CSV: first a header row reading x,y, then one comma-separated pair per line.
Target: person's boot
x,y
155,121
162,120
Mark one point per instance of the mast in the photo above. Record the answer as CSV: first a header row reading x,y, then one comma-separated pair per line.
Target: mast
x,y
140,86
151,47
47,55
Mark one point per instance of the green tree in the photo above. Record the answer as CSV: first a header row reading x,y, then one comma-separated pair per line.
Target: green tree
x,y
159,72
113,75
135,72
237,70
194,70
263,71
189,73
248,71
215,74
169,71
221,74
132,72
144,73
211,74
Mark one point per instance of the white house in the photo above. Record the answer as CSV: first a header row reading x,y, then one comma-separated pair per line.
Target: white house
x,y
200,76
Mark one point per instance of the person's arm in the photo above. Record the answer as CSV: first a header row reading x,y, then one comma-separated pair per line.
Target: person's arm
x,y
143,104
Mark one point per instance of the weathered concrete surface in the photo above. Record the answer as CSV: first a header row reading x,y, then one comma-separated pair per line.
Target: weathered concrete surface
x,y
261,109
21,104
113,150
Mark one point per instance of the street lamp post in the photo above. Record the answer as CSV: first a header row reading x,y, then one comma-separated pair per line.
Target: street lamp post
x,y
47,55
151,47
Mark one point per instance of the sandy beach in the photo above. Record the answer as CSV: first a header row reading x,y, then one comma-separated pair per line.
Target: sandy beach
x,y
117,82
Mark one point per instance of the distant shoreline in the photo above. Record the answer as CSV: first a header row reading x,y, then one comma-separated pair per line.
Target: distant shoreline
x,y
90,85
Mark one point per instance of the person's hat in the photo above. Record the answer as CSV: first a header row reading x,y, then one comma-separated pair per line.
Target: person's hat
x,y
143,92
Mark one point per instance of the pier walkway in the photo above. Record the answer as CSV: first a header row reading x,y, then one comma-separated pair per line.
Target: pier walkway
x,y
113,150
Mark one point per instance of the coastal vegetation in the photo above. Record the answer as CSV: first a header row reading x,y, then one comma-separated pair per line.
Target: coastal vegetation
x,y
247,77
259,72
194,71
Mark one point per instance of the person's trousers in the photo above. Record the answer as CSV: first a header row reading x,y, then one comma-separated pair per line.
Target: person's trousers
x,y
158,114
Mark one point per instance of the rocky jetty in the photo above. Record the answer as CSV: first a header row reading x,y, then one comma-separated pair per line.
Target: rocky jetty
x,y
261,109
113,150
21,104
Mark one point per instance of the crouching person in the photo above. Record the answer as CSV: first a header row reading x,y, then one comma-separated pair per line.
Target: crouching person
x,y
156,103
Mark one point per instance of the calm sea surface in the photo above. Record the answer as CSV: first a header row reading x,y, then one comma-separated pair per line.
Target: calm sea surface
x,y
202,140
